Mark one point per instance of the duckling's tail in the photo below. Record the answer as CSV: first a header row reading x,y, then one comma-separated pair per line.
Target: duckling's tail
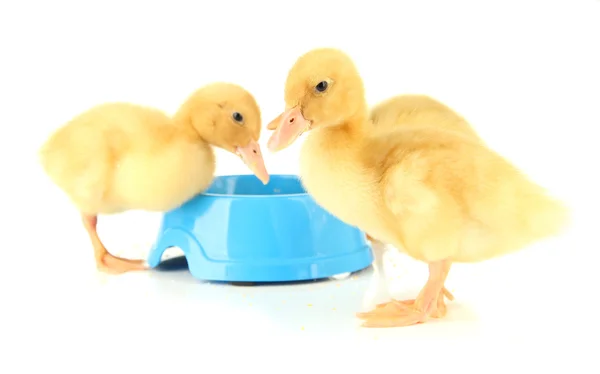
x,y
544,216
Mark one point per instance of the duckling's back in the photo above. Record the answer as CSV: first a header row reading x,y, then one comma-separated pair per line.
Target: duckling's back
x,y
418,111
460,192
80,156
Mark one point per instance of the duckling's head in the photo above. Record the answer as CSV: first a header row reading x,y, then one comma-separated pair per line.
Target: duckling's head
x,y
227,116
323,88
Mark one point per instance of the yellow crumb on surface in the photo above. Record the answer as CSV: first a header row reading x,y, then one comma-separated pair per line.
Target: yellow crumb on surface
x,y
309,305
302,328
334,309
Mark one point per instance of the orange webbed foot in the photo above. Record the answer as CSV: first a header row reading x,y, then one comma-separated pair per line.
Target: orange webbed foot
x,y
429,303
398,313
393,314
116,265
438,312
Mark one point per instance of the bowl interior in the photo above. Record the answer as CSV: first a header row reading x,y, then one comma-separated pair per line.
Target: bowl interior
x,y
249,185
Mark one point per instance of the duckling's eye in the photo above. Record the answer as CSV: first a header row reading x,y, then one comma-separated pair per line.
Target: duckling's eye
x,y
321,87
237,117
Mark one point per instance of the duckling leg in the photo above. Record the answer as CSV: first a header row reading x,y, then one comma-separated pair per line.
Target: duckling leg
x,y
106,262
429,303
440,312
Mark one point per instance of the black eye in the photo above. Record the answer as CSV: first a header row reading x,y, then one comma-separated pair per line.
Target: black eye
x,y
237,117
321,87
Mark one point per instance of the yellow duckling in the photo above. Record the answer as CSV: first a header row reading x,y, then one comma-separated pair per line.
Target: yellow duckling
x,y
117,157
438,195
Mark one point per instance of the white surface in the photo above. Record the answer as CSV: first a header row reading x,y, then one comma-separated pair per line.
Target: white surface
x,y
524,74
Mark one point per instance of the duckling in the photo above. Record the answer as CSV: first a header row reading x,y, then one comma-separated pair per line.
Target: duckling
x,y
438,195
116,157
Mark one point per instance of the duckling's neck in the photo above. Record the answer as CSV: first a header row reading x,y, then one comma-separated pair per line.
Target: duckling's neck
x,y
183,128
353,128
356,124
337,142
184,133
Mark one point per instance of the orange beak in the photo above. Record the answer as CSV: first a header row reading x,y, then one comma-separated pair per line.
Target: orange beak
x,y
288,126
252,157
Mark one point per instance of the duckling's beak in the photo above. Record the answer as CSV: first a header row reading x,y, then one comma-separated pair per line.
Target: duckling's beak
x,y
288,126
252,157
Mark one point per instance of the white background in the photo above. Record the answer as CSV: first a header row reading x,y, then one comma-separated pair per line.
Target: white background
x,y
525,73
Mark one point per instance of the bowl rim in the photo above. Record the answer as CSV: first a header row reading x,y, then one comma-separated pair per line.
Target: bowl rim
x,y
253,196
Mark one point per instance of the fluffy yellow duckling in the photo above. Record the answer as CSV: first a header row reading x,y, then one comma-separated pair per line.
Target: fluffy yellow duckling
x,y
440,196
117,157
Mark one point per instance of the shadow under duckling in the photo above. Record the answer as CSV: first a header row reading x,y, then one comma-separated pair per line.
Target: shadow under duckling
x,y
119,156
437,195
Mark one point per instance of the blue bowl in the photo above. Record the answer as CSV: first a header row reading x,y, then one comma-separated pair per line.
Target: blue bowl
x,y
240,230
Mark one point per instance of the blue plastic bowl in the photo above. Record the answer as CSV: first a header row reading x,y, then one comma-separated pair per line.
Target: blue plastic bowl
x,y
240,230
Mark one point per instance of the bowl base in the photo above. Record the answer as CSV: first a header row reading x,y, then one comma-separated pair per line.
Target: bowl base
x,y
255,272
